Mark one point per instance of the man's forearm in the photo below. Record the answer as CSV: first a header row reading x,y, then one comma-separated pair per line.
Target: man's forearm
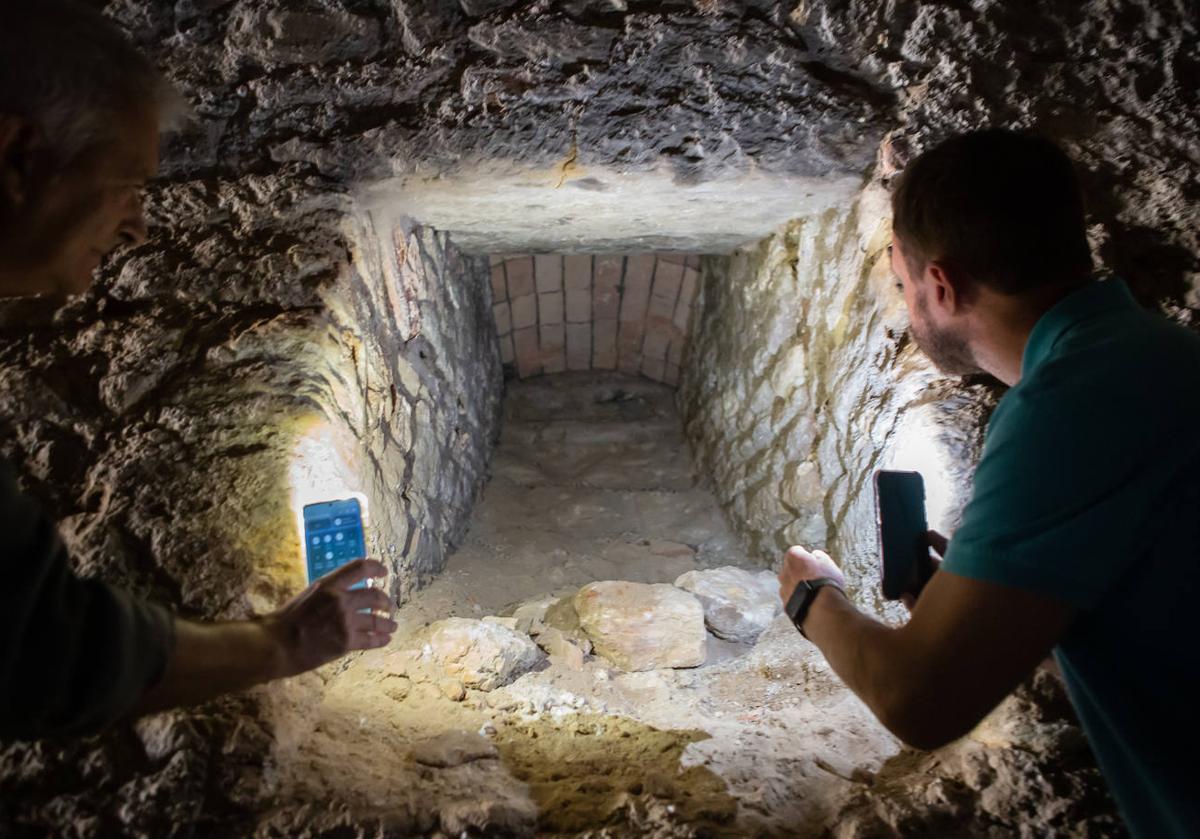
x,y
864,653
212,659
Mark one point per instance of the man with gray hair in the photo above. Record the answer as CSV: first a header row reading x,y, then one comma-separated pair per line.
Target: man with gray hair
x,y
80,114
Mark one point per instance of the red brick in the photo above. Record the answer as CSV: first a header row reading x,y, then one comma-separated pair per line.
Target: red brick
x,y
675,353
499,287
605,348
608,270
524,311
503,316
519,271
550,308
579,346
553,353
635,291
529,359
668,277
606,301
654,368
579,305
507,356
577,271
655,345
673,374
661,309
548,269
629,362
687,296
629,338
671,256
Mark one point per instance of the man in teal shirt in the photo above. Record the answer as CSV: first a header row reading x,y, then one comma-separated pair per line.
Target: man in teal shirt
x,y
1082,535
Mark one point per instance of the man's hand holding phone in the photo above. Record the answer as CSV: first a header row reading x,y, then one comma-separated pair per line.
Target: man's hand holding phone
x,y
328,619
938,543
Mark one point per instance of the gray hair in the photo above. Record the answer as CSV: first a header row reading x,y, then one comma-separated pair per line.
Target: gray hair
x,y
70,70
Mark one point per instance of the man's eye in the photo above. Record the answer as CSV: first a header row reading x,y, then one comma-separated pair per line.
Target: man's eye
x,y
889,250
899,286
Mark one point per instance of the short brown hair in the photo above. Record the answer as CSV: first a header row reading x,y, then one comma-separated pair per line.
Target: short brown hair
x,y
1003,207
68,69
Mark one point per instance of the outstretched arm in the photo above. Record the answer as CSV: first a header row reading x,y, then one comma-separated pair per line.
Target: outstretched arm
x,y
320,624
968,644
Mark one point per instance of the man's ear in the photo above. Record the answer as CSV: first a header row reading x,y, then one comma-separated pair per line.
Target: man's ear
x,y
949,289
20,148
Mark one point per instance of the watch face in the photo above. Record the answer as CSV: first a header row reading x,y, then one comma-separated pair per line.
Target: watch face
x,y
799,597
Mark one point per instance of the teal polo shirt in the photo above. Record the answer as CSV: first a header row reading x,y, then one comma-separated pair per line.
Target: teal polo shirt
x,y
1088,492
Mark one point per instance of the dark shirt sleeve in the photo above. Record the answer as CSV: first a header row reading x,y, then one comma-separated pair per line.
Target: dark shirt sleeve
x,y
75,654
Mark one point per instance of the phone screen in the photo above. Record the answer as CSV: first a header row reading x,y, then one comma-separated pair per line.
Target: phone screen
x,y
903,543
333,536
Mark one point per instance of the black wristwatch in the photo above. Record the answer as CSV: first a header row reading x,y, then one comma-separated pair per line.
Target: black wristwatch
x,y
801,600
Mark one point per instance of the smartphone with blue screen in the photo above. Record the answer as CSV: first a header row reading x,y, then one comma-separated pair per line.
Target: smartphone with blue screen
x,y
903,533
333,536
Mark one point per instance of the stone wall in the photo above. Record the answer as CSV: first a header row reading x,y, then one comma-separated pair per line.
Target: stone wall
x,y
808,382
159,416
584,312
174,436
176,439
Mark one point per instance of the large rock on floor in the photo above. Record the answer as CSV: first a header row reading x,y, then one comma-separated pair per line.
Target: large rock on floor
x,y
738,604
638,626
480,654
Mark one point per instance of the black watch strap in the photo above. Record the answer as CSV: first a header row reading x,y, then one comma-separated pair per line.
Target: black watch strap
x,y
801,600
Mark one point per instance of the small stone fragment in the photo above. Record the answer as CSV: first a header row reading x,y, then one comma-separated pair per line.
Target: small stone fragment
x,y
638,626
453,748
738,604
560,648
452,689
397,687
530,615
562,616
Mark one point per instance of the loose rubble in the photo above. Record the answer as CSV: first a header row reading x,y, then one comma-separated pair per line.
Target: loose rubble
x,y
478,654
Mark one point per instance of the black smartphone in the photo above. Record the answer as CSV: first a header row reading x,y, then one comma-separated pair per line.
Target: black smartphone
x,y
903,541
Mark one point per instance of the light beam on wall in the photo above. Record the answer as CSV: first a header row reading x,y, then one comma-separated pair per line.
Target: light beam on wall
x,y
322,468
917,447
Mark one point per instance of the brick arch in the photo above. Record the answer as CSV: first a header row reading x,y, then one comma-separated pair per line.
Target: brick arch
x,y
605,312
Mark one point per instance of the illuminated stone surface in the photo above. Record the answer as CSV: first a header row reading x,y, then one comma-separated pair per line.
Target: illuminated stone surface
x,y
480,654
642,627
738,604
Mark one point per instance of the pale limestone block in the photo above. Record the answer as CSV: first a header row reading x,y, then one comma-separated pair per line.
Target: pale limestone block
x,y
638,626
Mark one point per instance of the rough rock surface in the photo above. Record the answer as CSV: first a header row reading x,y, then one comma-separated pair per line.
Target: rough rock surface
x,y
638,626
156,416
453,748
738,604
480,654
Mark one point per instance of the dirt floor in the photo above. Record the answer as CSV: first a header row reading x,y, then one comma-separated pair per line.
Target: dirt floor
x,y
592,481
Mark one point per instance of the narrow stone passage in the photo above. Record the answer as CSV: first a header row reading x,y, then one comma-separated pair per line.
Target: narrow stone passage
x,y
592,480
471,727
494,713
